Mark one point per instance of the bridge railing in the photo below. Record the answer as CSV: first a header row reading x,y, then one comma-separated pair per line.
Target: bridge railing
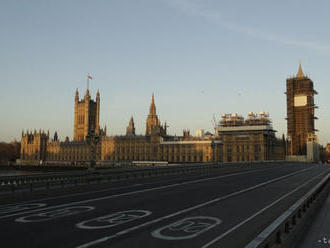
x,y
74,178
13,183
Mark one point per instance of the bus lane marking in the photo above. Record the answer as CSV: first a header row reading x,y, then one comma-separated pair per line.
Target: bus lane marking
x,y
186,210
187,228
114,219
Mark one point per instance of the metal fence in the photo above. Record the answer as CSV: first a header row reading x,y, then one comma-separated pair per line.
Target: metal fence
x,y
73,178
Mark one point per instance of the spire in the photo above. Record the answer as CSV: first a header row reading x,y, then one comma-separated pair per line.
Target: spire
x,y
300,73
152,110
87,95
130,130
98,94
131,121
152,119
165,127
77,95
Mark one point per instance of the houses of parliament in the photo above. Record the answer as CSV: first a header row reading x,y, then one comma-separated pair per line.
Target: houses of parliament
x,y
155,145
235,139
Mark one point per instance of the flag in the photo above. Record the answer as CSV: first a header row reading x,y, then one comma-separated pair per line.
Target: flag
x,y
89,77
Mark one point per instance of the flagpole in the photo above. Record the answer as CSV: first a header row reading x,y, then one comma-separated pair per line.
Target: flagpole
x,y
88,81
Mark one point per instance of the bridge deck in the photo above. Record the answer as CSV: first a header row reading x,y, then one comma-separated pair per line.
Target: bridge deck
x,y
215,210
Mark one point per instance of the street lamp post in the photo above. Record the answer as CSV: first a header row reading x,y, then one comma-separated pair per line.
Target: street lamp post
x,y
213,147
92,141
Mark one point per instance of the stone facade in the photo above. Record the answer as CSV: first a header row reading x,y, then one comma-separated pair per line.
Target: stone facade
x,y
249,140
157,148
34,145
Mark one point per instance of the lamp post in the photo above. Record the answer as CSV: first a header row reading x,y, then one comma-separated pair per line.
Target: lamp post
x,y
92,141
213,147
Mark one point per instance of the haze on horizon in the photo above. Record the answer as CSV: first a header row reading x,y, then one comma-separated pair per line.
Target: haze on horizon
x,y
200,58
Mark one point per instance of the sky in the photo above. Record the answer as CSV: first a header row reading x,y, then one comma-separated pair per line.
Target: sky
x,y
201,58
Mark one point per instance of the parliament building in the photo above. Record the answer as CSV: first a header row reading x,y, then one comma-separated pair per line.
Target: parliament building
x,y
155,145
235,139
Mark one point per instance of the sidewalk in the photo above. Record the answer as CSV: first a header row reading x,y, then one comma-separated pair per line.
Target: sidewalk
x,y
318,233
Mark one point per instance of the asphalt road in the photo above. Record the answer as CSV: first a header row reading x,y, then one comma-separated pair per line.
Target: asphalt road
x,y
225,209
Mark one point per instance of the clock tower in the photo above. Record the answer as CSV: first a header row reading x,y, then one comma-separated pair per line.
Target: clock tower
x,y
300,112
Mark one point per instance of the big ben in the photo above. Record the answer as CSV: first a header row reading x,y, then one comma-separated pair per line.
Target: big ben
x,y
300,112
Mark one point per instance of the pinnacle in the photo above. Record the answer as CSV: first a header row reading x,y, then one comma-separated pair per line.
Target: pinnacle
x,y
300,73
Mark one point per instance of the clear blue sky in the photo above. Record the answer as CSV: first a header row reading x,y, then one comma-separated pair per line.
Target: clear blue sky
x,y
199,58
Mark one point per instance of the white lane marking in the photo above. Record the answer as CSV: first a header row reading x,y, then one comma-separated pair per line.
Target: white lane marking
x,y
131,186
58,213
134,192
20,207
257,213
106,238
186,228
112,220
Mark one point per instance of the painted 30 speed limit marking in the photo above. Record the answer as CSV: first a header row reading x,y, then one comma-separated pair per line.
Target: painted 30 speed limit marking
x,y
186,228
114,219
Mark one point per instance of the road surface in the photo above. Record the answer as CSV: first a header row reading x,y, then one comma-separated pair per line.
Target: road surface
x,y
227,208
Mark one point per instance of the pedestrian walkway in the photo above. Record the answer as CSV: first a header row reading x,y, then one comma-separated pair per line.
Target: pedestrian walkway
x,y
318,235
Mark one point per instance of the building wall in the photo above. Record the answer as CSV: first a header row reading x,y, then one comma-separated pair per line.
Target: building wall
x,y
232,147
70,151
34,146
128,148
251,146
196,150
154,148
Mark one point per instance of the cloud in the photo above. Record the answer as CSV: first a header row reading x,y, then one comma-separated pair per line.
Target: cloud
x,y
194,8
